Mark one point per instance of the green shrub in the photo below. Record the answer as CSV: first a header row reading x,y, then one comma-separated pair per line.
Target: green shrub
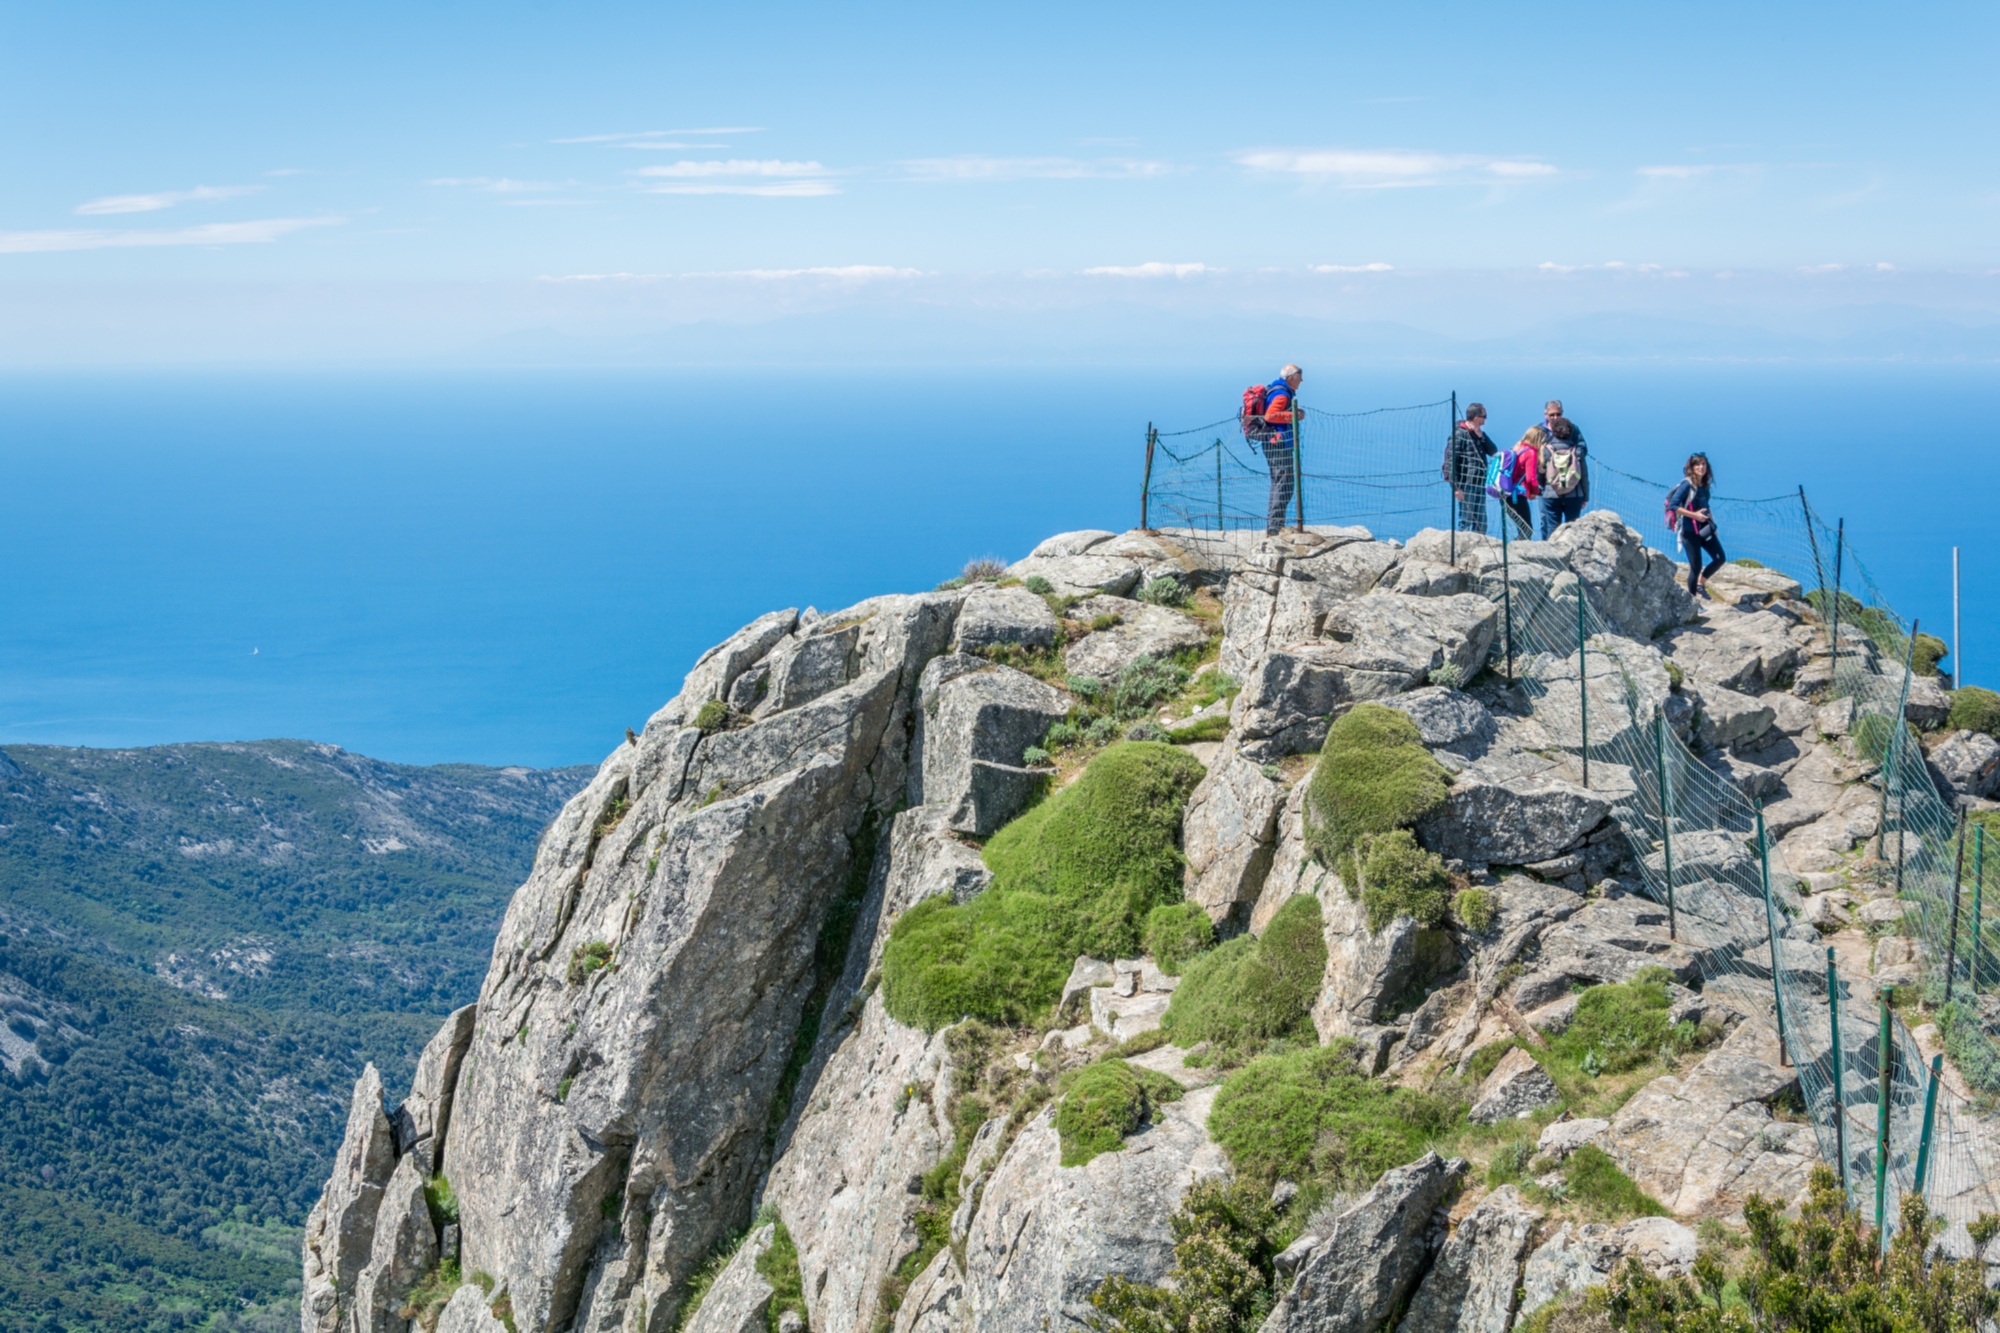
x,y
1398,877
1448,674
1374,775
1146,731
1034,757
1224,1240
586,959
1038,585
1474,908
1254,989
1675,676
1109,620
1143,683
1595,1184
1164,591
712,716
779,1266
1311,1112
1075,875
1929,651
1211,728
1211,685
1176,932
1620,1027
1105,1102
1975,709
980,569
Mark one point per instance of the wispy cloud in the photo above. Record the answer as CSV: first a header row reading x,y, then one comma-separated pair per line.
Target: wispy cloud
x,y
1153,269
636,135
261,232
1376,169
838,273
153,203
768,177
495,184
1377,267
973,167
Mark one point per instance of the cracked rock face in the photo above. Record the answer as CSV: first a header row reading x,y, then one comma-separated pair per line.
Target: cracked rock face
x,y
1471,1285
1229,833
1353,1280
992,617
1142,631
1968,762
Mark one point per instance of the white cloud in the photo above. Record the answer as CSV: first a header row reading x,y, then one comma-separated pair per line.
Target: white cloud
x,y
215,233
1390,168
1352,268
495,184
1154,269
152,203
838,272
973,167
768,177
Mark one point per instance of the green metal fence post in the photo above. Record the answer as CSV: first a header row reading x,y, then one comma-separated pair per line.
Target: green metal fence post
x,y
1299,457
1892,766
1583,685
1833,639
1930,1118
1771,929
1819,566
1839,1070
1506,594
1978,886
1451,479
1666,811
1146,486
1957,892
1220,523
1885,1060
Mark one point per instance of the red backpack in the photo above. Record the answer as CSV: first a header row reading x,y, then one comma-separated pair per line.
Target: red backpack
x,y
1256,400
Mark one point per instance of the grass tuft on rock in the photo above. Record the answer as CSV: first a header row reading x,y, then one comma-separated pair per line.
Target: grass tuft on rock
x,y
1593,1182
1374,775
1975,708
1078,874
779,1266
1312,1114
1105,1102
1395,877
1620,1027
1252,990
1176,932
1475,909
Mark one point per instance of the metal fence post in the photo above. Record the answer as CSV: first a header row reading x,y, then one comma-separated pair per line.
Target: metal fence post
x,y
1892,760
1299,457
1833,639
1507,595
1957,892
1771,929
1978,886
1819,566
1146,486
1583,685
1885,1061
1451,478
1220,522
1666,811
1839,1070
1930,1118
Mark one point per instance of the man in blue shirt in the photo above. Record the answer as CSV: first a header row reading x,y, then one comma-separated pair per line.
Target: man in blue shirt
x,y
1280,452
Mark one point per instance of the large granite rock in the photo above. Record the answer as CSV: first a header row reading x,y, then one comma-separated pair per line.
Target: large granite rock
x,y
922,857
1045,1235
1283,590
935,1300
1367,971
1074,566
1229,832
1703,1142
1635,589
404,1249
1517,1088
425,1115
1142,631
1512,810
1748,587
1356,1278
1731,720
718,668
1372,647
1745,651
996,617
469,1311
340,1230
975,722
1472,1283
739,1296
1967,762
1578,1257
1628,686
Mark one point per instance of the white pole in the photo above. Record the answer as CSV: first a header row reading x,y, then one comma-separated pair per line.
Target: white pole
x,y
1957,662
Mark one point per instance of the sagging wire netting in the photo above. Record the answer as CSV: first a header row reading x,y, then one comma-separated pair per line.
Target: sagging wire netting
x,y
1878,1110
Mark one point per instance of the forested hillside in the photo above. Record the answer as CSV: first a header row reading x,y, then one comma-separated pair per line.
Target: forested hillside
x,y
202,944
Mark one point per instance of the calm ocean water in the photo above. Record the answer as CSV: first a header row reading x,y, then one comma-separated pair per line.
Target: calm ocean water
x,y
514,567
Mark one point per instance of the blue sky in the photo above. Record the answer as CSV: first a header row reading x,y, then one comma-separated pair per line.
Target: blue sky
x,y
216,181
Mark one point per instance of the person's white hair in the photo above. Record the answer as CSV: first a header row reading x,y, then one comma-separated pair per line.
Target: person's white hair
x,y
1289,371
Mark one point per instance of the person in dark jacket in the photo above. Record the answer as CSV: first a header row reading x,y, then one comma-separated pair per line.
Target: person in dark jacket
x,y
1279,455
1690,507
1465,455
1565,474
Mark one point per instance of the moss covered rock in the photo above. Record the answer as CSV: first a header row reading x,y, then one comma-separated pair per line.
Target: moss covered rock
x,y
1176,932
1374,775
1254,989
1105,1102
1398,878
1078,874
1975,709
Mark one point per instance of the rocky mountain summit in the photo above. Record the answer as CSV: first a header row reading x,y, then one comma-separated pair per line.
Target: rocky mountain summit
x,y
1137,927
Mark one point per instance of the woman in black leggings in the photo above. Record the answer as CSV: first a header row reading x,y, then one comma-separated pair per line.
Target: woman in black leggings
x,y
1689,504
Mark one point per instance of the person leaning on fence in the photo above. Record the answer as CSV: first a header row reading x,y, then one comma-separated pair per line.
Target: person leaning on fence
x,y
1273,433
1517,480
1689,513
1564,470
1465,455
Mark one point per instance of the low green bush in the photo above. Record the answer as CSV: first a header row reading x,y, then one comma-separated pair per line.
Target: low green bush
x,y
1929,651
1254,989
1620,1027
712,716
1875,733
1164,591
1145,730
1176,932
1212,728
1105,1102
1974,708
1213,684
1143,683
1397,877
1746,562
585,959
1474,908
1312,1114
982,569
1374,775
1224,1241
1038,585
1078,874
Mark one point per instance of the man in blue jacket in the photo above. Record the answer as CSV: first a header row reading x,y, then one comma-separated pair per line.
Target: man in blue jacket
x,y
1280,453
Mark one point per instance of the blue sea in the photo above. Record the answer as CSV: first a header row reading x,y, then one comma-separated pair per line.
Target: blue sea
x,y
513,567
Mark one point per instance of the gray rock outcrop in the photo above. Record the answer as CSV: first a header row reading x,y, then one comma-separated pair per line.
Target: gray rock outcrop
x,y
1518,1087
739,1296
1578,1257
340,1231
995,617
1512,810
1229,832
1634,588
975,722
1967,762
1075,565
1355,1278
1471,1285
1142,631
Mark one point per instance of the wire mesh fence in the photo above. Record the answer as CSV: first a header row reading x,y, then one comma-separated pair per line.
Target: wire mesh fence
x,y
1890,1120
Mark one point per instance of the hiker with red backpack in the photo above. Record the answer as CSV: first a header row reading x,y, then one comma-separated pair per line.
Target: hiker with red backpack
x,y
1267,417
1513,478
